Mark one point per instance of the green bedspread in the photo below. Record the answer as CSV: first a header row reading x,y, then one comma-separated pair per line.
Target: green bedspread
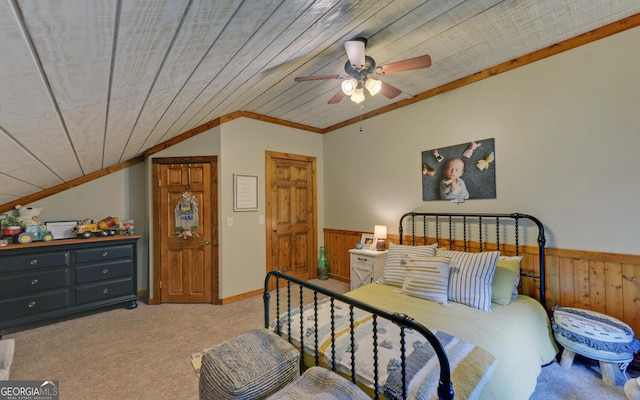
x,y
518,335
470,365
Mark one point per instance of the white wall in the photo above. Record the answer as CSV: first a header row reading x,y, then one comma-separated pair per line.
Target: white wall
x,y
243,245
567,133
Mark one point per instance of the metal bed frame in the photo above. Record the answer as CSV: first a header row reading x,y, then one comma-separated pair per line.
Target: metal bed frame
x,y
445,386
482,220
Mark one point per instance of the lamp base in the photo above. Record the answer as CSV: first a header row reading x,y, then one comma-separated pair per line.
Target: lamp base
x,y
380,245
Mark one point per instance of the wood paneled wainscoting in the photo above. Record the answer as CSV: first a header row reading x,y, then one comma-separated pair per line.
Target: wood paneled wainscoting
x,y
603,282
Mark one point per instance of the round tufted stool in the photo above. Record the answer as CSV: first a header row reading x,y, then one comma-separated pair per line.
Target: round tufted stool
x,y
596,336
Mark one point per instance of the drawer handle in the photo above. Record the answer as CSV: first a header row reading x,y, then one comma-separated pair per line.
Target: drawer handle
x,y
32,304
105,290
34,282
362,259
106,253
105,271
34,261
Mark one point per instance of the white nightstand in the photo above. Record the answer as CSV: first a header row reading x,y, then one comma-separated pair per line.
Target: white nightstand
x,y
366,266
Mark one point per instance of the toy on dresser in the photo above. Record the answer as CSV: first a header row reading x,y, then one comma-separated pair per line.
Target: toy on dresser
x,y
33,229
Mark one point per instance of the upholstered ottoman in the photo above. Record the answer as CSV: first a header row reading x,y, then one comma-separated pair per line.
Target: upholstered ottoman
x,y
251,366
7,348
320,383
596,336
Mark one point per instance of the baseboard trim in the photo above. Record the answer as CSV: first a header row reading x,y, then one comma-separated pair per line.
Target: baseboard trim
x,y
240,297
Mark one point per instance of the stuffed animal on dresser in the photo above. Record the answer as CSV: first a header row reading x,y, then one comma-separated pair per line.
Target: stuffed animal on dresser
x,y
29,215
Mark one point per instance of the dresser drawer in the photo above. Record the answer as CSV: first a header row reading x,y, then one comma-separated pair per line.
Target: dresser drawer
x,y
103,253
98,272
362,260
34,261
34,281
103,291
39,303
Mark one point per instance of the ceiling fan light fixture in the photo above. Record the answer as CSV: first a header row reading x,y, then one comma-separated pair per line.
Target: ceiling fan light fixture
x,y
373,86
357,96
349,86
355,52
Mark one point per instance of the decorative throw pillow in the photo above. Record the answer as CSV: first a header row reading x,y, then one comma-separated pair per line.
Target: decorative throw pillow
x,y
397,256
427,278
505,280
471,277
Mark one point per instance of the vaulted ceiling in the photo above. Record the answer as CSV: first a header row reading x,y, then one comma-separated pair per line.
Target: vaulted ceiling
x,y
87,85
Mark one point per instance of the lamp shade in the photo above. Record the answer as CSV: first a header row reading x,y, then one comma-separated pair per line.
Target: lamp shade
x,y
358,95
373,86
380,231
348,86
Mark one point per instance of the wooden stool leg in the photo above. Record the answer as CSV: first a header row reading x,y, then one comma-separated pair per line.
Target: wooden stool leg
x,y
608,375
567,358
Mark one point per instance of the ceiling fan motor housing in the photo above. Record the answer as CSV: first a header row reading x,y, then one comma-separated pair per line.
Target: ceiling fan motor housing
x,y
360,74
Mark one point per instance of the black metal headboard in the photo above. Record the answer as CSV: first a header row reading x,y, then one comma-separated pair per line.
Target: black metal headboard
x,y
432,225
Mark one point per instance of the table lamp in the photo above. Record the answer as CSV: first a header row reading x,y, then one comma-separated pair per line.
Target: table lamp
x,y
380,233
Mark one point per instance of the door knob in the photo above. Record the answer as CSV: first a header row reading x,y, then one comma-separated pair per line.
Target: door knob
x,y
276,230
206,243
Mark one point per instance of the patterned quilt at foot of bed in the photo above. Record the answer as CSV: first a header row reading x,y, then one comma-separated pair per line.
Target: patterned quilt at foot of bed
x,y
471,366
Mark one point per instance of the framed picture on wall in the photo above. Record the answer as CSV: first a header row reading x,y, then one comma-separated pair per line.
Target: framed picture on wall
x,y
245,192
461,172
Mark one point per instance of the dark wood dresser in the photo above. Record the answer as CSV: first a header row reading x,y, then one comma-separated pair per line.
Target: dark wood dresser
x,y
44,280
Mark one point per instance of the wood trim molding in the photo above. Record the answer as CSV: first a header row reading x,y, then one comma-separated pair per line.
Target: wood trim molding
x,y
242,296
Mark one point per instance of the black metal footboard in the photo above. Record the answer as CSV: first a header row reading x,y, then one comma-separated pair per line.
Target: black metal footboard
x,y
445,387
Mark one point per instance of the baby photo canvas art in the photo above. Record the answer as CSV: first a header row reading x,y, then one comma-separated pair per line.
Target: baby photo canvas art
x,y
459,173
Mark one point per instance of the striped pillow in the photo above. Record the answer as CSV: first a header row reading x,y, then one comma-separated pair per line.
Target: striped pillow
x,y
427,278
471,277
397,256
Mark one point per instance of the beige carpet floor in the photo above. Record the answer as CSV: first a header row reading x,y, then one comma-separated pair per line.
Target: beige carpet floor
x,y
145,353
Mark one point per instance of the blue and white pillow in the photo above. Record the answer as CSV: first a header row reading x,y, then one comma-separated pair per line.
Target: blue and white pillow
x,y
471,277
427,278
395,267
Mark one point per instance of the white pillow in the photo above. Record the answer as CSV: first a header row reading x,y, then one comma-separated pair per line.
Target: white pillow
x,y
471,277
397,256
427,278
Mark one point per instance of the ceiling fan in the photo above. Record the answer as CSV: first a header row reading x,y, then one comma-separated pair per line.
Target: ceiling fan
x,y
360,66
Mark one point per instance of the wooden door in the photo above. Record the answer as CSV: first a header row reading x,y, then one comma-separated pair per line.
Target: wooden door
x,y
291,214
185,267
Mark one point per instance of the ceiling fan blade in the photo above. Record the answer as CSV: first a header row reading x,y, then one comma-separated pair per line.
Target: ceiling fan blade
x,y
355,52
405,65
317,78
389,91
337,97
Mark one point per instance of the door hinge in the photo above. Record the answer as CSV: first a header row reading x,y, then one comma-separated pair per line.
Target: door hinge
x,y
160,285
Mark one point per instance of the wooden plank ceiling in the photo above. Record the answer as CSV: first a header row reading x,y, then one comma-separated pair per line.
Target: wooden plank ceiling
x,y
89,84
